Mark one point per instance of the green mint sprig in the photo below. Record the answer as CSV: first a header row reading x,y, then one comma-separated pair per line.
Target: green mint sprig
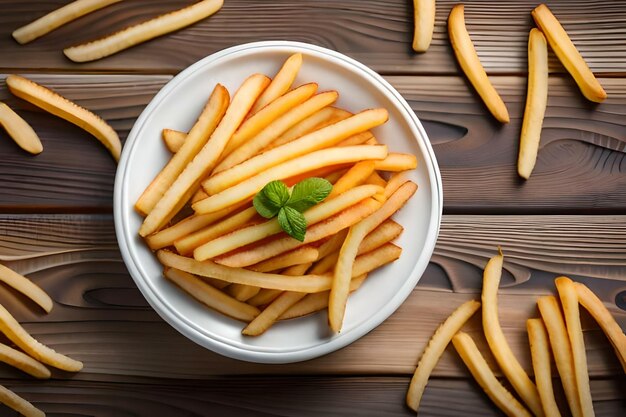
x,y
275,200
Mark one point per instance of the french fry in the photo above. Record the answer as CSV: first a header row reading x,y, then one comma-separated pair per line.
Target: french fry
x,y
540,353
272,312
19,130
332,244
142,32
318,159
396,162
536,102
601,314
567,53
396,181
205,160
470,63
173,139
358,139
341,282
198,136
376,179
479,369
242,292
17,403
498,344
58,18
561,349
434,349
24,285
266,296
59,106
302,255
386,232
333,177
281,82
301,147
217,283
16,333
569,301
23,362
353,177
424,24
211,297
199,195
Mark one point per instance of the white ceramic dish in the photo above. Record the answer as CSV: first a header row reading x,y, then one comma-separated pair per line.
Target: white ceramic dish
x,y
177,105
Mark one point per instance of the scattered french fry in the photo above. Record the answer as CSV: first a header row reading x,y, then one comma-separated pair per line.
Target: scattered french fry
x,y
173,139
17,403
23,362
19,130
272,312
397,162
358,139
332,244
302,255
540,353
281,82
384,233
353,177
266,296
424,24
199,195
26,286
376,179
142,32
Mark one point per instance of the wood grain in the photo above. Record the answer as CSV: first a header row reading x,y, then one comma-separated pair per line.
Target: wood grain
x,y
377,32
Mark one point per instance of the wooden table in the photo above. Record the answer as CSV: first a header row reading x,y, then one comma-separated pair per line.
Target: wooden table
x,y
56,221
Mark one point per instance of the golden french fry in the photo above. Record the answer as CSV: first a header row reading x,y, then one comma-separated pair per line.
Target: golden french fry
x,y
272,312
26,286
358,139
301,147
199,195
281,82
353,177
601,314
567,53
477,365
540,353
302,255
17,403
142,32
266,296
470,63
384,233
396,181
396,162
59,106
19,130
173,139
16,333
205,160
333,177
341,282
424,24
58,18
434,349
23,362
366,263
376,179
498,344
198,136
562,350
242,292
332,244
211,297
569,301
536,102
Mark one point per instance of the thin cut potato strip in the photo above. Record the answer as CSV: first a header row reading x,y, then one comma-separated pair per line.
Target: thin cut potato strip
x,y
332,244
384,233
272,312
423,24
376,179
26,286
434,349
211,297
569,301
281,83
302,255
242,292
173,139
142,32
396,162
205,160
503,399
358,139
23,362
59,106
199,195
470,63
19,130
356,175
17,403
498,344
266,296
16,333
567,53
540,353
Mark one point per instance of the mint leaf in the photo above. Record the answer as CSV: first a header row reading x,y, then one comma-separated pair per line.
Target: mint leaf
x,y
271,198
292,222
308,193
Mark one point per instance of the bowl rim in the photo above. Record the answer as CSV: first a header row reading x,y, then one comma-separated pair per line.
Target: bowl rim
x,y
182,324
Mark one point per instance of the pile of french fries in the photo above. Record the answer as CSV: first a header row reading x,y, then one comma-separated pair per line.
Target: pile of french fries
x,y
234,261
558,334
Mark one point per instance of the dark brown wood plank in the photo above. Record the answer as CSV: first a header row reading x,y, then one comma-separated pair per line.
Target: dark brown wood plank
x,y
378,33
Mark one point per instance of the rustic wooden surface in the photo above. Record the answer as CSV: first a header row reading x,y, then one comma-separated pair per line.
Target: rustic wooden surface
x,y
570,218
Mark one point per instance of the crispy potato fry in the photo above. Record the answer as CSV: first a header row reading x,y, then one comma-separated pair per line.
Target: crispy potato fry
x,y
470,63
397,162
569,301
424,24
332,244
396,181
242,292
325,264
316,121
214,282
376,179
199,195
17,403
302,255
477,365
26,286
353,177
386,232
358,139
280,84
16,333
142,32
601,314
341,282
301,147
562,350
198,136
333,177
567,53
58,18
59,106
540,353
248,187
173,139
19,130
434,349
266,296
272,312
536,102
319,172
206,159
23,362
498,344
211,297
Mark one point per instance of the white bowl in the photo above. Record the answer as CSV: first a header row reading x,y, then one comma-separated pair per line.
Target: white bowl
x,y
179,103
